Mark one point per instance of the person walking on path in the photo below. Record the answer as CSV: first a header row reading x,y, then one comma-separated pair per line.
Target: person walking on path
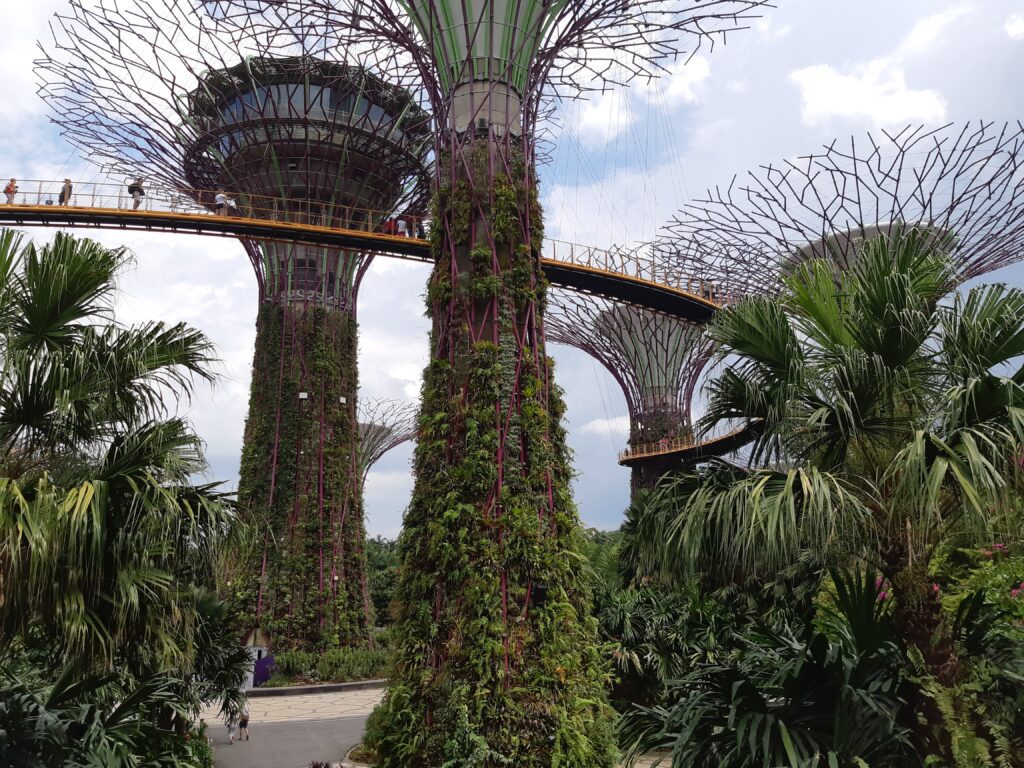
x,y
403,227
137,192
11,190
243,724
232,722
65,193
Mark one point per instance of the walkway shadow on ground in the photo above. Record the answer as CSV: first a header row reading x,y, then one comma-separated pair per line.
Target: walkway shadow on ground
x,y
288,745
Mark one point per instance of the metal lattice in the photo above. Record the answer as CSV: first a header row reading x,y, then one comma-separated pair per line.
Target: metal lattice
x,y
161,90
383,425
657,360
961,181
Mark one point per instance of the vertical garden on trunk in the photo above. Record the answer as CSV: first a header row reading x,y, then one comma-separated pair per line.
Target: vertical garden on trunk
x,y
302,579
497,661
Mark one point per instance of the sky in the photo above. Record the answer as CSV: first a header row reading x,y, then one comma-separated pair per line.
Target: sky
x,y
807,73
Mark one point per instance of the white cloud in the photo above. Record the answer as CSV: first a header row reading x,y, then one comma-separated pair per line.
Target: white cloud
x,y
616,427
927,32
1014,26
876,92
681,84
766,26
603,118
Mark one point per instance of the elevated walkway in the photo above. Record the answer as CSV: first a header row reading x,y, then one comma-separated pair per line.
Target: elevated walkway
x,y
681,452
621,276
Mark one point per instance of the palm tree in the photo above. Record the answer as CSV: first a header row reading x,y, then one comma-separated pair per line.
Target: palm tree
x,y
891,420
107,543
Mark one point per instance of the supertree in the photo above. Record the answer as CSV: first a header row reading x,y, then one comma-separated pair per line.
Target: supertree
x,y
497,662
657,360
964,183
383,425
157,88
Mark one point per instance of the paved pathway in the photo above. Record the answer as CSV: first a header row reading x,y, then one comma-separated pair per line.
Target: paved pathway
x,y
289,731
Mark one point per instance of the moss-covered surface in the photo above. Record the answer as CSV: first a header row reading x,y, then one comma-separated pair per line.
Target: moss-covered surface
x,y
497,662
303,579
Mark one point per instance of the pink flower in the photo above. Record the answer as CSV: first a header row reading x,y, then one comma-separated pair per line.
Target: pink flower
x,y
935,588
881,596
999,547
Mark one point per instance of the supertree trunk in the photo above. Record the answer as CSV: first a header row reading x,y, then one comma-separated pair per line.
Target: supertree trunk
x,y
497,659
304,581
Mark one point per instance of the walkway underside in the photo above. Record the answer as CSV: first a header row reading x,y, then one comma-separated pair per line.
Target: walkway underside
x,y
592,279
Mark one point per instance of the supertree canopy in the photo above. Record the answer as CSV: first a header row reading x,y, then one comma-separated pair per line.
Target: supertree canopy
x,y
657,360
157,88
497,662
963,183
383,425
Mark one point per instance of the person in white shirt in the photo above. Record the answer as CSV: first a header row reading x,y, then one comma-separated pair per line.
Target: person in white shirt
x,y
220,203
137,192
403,228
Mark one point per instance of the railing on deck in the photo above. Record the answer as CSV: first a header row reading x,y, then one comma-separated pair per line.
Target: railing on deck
x,y
667,445
633,264
314,213
163,200
670,445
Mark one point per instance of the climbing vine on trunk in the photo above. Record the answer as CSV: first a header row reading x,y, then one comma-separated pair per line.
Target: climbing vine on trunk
x,y
303,581
497,661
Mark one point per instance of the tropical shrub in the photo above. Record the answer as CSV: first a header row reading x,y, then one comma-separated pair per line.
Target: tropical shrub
x,y
110,636
890,422
338,665
793,695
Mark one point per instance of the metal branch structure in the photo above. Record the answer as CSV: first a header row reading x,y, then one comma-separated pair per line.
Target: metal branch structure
x,y
159,89
383,425
965,183
657,360
497,662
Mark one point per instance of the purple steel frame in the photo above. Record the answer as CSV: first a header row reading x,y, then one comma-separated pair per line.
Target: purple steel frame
x,y
965,181
657,360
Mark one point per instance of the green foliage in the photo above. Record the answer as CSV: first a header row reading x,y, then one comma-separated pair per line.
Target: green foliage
x,y
791,696
106,720
338,665
382,574
496,662
297,485
109,637
889,428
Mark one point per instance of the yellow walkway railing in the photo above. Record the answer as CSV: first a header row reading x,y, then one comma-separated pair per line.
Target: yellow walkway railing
x,y
383,225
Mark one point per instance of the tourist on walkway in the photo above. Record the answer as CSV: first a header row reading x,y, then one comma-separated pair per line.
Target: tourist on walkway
x,y
220,203
11,190
403,227
137,192
65,193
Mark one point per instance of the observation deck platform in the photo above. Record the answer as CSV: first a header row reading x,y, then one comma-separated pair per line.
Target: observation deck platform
x,y
682,452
